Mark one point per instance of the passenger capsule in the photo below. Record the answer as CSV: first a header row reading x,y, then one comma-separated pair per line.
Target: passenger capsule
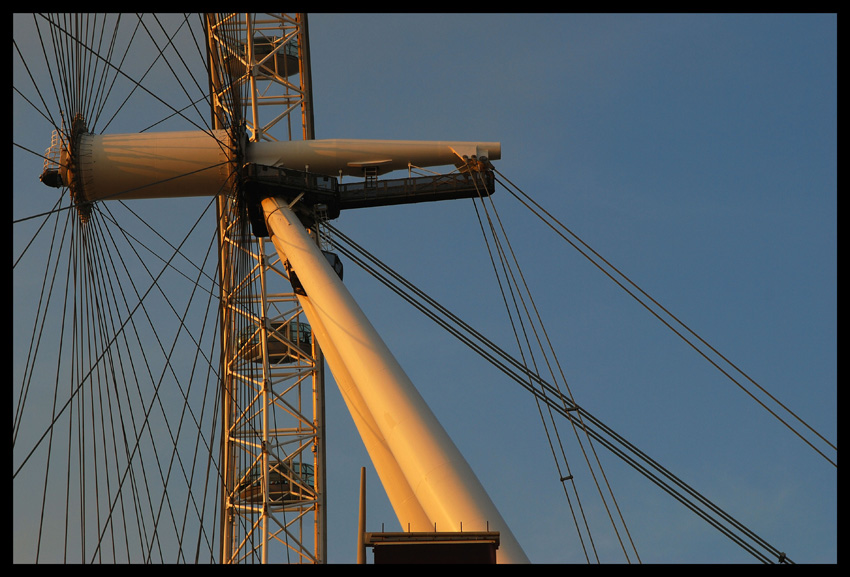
x,y
287,342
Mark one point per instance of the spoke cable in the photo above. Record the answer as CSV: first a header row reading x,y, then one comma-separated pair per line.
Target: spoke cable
x,y
70,38
98,423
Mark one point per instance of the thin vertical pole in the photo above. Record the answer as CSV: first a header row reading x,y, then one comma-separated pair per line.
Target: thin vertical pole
x,y
361,527
266,408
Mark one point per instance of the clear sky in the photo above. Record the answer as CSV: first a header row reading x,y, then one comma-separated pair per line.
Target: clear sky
x,y
697,153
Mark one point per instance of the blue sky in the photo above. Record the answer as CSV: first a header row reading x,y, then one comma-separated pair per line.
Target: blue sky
x,y
695,152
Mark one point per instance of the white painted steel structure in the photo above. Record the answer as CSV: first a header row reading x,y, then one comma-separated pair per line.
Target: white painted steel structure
x,y
272,447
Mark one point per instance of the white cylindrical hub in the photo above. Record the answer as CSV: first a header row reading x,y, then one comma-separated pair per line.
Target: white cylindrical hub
x,y
152,165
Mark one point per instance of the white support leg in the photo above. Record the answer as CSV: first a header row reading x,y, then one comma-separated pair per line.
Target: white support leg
x,y
439,476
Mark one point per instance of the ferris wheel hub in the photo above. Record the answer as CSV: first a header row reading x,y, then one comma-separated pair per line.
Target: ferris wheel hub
x,y
62,163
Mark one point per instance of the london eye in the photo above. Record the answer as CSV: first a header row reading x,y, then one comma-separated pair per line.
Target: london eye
x,y
696,154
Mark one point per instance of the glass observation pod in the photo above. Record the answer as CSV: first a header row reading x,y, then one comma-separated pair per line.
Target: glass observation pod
x,y
284,62
250,490
286,343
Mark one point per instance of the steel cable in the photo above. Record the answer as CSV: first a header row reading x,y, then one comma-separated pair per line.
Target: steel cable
x,y
549,394
559,228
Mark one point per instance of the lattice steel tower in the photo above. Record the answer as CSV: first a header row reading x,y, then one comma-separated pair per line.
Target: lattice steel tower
x,y
273,386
